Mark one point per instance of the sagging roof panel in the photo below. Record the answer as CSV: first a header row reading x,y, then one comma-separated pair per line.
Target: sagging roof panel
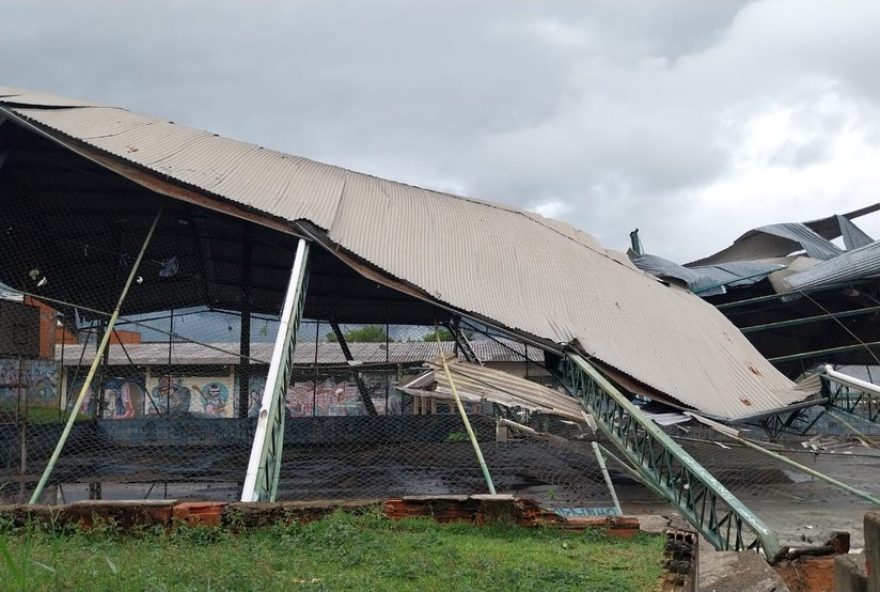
x,y
522,272
853,236
773,240
708,280
477,383
778,240
859,263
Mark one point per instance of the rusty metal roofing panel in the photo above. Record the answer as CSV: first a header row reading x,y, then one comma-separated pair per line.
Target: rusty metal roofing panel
x,y
285,186
521,271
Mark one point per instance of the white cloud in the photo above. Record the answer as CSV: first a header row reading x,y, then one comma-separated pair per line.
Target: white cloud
x,y
691,120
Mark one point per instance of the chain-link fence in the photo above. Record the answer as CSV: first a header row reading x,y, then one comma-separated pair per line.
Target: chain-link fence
x,y
168,408
799,506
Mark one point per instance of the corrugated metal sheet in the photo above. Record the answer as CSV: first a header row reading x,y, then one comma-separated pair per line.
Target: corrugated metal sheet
x,y
16,96
853,236
708,280
829,227
478,383
524,272
857,264
773,240
285,186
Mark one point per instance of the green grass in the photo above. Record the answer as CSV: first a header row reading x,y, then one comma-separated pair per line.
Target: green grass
x,y
341,552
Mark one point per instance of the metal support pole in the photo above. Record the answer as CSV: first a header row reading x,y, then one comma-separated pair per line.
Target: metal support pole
x,y
264,465
607,478
825,352
361,385
62,440
461,342
464,417
244,359
807,320
772,297
851,381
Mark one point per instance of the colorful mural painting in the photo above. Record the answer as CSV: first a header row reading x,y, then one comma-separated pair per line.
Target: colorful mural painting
x,y
197,395
123,399
170,396
256,386
330,396
36,379
214,396
214,399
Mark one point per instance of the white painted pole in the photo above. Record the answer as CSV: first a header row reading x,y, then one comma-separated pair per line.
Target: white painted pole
x,y
851,381
250,491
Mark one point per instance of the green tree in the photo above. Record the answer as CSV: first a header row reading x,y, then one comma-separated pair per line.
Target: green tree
x,y
365,334
445,335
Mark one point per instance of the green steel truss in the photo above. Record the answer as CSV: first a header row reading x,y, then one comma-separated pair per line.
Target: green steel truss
x,y
853,401
264,466
700,498
797,422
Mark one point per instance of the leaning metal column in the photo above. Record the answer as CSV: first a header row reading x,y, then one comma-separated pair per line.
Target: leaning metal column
x,y
264,466
105,339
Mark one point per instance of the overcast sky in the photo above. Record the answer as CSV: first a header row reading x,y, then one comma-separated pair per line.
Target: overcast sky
x,y
691,120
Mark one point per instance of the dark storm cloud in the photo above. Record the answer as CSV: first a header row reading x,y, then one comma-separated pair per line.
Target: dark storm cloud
x,y
692,120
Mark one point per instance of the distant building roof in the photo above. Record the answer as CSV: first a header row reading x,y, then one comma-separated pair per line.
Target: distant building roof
x,y
193,354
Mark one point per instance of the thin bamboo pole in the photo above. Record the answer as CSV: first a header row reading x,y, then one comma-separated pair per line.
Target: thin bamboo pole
x,y
464,417
732,434
865,440
62,440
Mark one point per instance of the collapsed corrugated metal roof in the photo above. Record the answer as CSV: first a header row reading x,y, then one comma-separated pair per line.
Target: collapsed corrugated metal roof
x,y
778,240
478,383
863,262
814,308
707,280
540,278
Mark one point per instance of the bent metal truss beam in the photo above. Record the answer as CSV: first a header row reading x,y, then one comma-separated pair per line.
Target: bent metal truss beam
x,y
264,466
703,501
852,396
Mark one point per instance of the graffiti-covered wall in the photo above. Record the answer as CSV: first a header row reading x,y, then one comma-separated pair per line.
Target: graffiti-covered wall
x,y
124,397
334,395
150,394
38,380
141,394
202,396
